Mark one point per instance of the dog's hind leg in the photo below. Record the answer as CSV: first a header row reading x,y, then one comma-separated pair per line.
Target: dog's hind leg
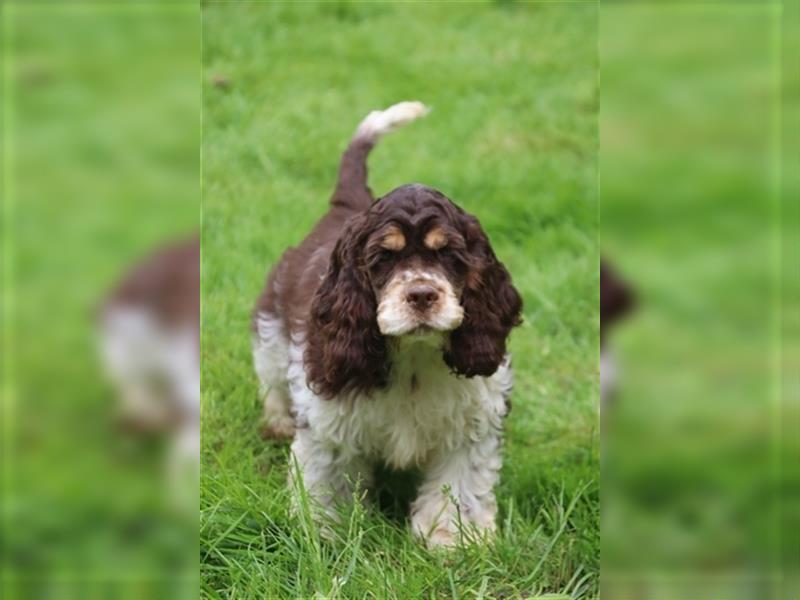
x,y
271,359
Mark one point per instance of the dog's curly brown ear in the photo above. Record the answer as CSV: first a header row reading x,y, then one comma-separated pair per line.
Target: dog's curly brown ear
x,y
346,351
492,308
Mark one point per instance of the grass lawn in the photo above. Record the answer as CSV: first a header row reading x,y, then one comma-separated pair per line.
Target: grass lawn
x,y
512,138
100,171
704,440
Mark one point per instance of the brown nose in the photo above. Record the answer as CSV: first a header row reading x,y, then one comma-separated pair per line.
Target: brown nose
x,y
421,296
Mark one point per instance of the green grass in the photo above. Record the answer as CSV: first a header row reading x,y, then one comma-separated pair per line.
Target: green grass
x,y
512,139
704,442
100,170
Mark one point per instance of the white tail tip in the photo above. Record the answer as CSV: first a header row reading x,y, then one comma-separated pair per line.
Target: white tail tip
x,y
380,122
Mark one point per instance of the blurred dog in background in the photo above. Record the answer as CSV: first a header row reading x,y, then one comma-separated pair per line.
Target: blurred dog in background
x,y
149,329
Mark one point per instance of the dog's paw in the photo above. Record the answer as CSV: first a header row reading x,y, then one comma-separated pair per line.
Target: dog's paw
x,y
442,538
277,429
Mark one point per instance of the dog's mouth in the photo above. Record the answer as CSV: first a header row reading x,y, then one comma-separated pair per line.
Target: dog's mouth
x,y
417,328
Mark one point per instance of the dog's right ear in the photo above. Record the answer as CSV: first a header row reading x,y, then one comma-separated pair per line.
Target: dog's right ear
x,y
346,351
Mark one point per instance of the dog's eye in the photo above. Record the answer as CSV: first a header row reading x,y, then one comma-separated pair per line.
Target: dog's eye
x,y
381,258
445,252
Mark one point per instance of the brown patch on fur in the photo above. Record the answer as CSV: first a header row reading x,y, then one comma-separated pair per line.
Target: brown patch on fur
x,y
393,239
165,284
436,239
473,279
616,298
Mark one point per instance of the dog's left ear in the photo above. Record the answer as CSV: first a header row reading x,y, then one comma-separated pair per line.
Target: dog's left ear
x,y
492,308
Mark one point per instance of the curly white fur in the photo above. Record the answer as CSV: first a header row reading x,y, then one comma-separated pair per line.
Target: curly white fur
x,y
448,426
156,370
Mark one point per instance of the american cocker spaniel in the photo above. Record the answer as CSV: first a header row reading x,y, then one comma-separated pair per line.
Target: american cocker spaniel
x,y
382,338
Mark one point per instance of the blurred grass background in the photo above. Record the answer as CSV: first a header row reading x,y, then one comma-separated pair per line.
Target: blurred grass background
x,y
699,213
101,129
513,139
100,135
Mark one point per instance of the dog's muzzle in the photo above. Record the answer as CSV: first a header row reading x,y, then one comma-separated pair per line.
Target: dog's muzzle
x,y
414,300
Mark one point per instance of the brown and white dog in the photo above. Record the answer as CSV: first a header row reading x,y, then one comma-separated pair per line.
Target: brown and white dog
x,y
382,339
149,333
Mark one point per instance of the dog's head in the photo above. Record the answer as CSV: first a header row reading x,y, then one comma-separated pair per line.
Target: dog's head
x,y
413,266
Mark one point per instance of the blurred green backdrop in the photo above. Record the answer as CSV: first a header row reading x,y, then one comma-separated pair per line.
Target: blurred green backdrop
x,y
700,214
100,162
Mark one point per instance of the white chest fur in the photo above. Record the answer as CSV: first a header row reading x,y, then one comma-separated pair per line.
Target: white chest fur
x,y
425,410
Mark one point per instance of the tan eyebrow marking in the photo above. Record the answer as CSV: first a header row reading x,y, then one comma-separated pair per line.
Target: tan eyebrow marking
x,y
436,238
393,239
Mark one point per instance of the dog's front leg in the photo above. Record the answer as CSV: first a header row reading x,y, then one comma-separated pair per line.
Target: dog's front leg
x,y
457,494
328,474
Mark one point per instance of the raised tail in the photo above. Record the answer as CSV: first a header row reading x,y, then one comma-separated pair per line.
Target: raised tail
x,y
352,190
